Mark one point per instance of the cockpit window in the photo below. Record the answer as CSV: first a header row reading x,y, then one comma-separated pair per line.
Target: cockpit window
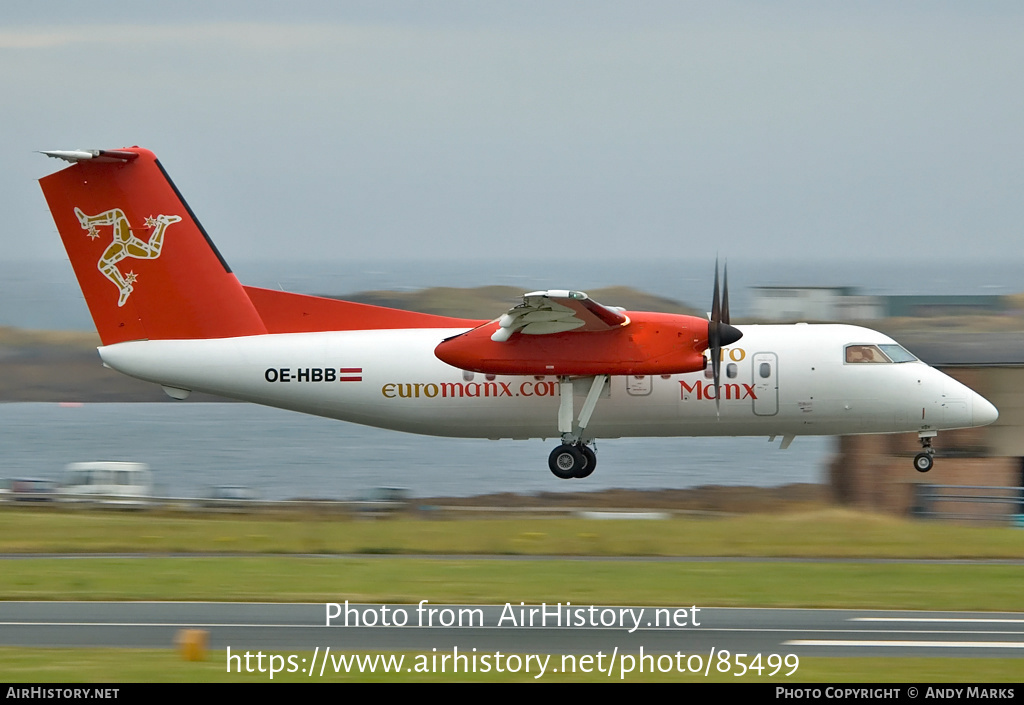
x,y
897,353
865,354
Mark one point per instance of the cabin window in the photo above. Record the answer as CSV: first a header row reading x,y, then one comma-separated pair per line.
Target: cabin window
x,y
765,370
731,370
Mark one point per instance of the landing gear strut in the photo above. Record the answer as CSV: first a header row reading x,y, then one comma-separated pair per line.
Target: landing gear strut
x,y
571,460
924,460
575,458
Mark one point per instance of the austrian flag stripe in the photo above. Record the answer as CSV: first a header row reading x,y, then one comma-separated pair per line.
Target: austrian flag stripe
x,y
313,374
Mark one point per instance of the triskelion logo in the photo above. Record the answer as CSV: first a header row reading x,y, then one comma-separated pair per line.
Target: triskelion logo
x,y
125,244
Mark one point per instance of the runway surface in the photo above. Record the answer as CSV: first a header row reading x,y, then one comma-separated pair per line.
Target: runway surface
x,y
575,629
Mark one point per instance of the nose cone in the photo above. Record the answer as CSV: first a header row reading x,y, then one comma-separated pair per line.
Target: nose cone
x,y
983,411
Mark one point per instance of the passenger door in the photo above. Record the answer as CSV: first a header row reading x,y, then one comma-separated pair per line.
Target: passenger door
x,y
766,383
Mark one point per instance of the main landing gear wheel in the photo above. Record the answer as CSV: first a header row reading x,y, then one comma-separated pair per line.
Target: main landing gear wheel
x,y
591,461
923,462
575,460
567,461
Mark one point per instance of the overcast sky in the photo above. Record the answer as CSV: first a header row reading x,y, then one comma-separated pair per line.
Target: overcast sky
x,y
346,130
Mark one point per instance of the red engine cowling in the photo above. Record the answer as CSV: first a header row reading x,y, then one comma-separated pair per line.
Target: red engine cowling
x,y
651,344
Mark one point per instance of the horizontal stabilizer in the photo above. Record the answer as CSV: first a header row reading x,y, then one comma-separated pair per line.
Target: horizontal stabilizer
x,y
98,155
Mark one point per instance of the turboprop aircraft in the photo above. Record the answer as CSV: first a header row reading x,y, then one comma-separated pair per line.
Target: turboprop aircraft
x,y
559,365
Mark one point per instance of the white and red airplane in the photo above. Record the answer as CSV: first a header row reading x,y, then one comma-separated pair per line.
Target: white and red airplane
x,y
559,365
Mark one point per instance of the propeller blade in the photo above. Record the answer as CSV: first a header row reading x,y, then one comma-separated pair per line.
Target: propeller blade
x,y
716,371
715,339
725,294
720,333
716,308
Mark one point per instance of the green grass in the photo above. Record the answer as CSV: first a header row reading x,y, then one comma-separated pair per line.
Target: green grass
x,y
153,665
830,533
483,581
392,572
394,569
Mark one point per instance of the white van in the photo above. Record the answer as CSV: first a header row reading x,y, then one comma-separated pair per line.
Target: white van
x,y
108,483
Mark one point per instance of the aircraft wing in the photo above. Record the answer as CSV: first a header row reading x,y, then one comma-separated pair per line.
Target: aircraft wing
x,y
559,332
557,311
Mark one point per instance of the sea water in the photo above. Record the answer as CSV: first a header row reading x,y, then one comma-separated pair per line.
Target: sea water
x,y
284,455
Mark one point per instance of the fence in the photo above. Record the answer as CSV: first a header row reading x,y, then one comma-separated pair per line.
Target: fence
x,y
985,503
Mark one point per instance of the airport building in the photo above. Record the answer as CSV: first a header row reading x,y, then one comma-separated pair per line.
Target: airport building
x,y
787,304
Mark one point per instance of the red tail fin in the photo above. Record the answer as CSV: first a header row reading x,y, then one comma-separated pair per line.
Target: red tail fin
x,y
146,266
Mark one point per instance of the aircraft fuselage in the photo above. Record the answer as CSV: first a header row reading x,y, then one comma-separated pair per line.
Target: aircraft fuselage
x,y
786,380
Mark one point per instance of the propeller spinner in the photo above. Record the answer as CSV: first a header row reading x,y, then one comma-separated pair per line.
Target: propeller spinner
x,y
720,333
